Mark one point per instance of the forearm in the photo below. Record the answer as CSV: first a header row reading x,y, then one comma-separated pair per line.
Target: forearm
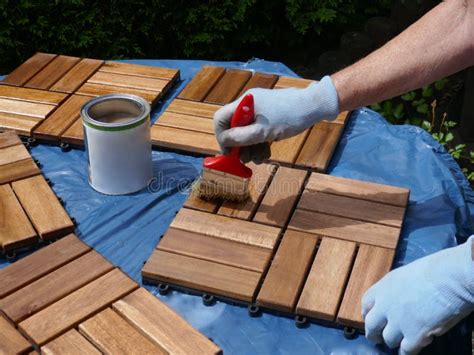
x,y
439,44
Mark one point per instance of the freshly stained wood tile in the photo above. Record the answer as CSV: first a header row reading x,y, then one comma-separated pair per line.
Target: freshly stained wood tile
x,y
13,154
289,82
287,273
202,83
11,341
15,228
31,95
193,108
128,81
386,194
74,134
25,108
226,228
200,204
215,250
228,87
70,343
9,138
204,275
19,170
112,334
186,122
77,306
77,75
52,72
18,123
260,80
345,228
54,286
92,89
162,325
43,208
287,150
352,208
140,70
280,197
57,123
324,287
245,209
28,69
40,263
370,265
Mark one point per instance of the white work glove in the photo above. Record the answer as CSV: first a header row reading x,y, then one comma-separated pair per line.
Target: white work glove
x,y
414,303
279,114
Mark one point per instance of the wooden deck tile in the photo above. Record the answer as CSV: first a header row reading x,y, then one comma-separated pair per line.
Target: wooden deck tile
x,y
146,71
258,235
228,87
370,265
19,170
18,123
259,80
287,273
281,197
74,134
13,154
77,306
25,108
91,89
112,334
28,69
70,343
77,75
289,82
52,72
286,151
197,203
54,286
161,324
200,274
31,95
8,139
215,250
324,287
128,81
186,122
202,83
193,108
40,263
15,228
11,341
43,208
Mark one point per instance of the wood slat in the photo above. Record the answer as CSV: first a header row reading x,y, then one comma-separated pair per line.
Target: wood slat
x,y
161,324
281,197
9,138
324,287
11,341
386,194
287,150
370,265
203,275
184,140
147,71
52,72
287,273
77,76
19,170
13,154
28,69
259,80
18,123
186,122
193,108
77,306
70,343
112,334
128,81
42,207
202,83
245,209
40,263
200,204
25,108
289,82
226,228
31,95
91,89
345,228
228,87
215,250
15,228
54,286
74,134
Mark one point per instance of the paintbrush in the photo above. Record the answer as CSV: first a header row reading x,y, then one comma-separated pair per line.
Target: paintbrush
x,y
225,176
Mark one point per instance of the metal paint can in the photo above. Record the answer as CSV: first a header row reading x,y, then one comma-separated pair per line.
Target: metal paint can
x,y
117,140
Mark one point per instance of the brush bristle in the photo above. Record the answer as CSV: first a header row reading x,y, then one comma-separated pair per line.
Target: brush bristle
x,y
218,185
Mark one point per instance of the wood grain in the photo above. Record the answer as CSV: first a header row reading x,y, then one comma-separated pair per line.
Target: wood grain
x,y
74,134
25,108
18,123
281,197
40,263
15,228
8,139
370,265
147,71
112,334
386,194
345,228
128,81
52,72
28,69
200,204
19,170
42,207
13,154
77,306
228,87
186,122
193,108
70,343
91,89
31,95
202,83
11,341
286,151
54,286
203,275
162,325
215,250
287,273
324,287
289,82
226,228
77,75
259,80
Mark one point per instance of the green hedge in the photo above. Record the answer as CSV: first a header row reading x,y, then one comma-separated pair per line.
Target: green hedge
x,y
176,29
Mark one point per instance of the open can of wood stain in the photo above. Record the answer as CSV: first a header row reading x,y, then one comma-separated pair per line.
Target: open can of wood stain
x,y
117,140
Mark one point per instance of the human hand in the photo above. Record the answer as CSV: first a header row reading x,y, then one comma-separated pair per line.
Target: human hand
x,y
414,303
279,114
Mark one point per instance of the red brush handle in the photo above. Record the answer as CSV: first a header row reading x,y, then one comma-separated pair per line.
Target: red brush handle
x,y
243,116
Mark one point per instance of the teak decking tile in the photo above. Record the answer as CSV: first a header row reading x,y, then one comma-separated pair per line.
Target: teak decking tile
x,y
77,76
28,69
11,340
202,83
71,343
228,87
52,72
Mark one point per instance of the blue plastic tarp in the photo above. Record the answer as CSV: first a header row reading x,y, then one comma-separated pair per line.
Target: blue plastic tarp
x,y
126,229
